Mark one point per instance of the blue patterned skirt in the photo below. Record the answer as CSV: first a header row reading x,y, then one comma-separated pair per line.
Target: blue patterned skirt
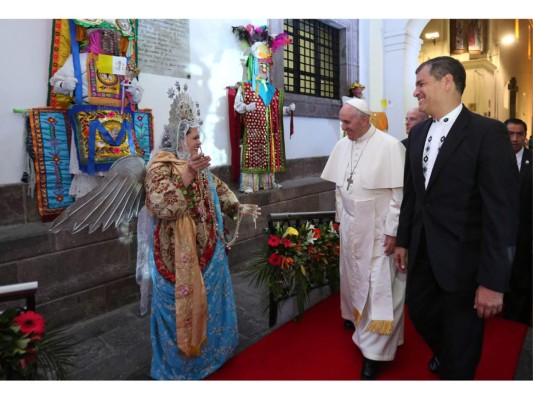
x,y
222,331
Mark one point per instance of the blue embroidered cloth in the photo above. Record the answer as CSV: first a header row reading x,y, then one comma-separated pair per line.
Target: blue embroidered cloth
x,y
222,331
51,143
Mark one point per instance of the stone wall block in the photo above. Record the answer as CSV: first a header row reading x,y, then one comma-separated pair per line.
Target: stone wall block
x,y
23,241
12,200
73,308
122,292
61,274
8,273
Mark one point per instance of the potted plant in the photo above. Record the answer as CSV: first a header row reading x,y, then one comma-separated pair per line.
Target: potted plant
x,y
27,351
296,260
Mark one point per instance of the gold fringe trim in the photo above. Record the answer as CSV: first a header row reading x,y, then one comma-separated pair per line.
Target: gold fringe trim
x,y
356,316
194,351
381,327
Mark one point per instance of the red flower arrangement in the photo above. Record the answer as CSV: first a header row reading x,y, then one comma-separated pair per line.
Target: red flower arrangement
x,y
26,352
297,260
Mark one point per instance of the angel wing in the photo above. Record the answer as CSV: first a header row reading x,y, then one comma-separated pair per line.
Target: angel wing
x,y
117,199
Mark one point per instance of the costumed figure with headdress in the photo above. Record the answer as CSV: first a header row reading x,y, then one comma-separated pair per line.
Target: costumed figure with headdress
x,y
182,250
100,71
377,118
261,107
356,90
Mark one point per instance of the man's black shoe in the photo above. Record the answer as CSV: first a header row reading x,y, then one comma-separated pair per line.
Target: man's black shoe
x,y
370,370
349,325
434,364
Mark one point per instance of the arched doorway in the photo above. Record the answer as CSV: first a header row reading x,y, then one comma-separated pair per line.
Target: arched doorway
x,y
490,89
495,55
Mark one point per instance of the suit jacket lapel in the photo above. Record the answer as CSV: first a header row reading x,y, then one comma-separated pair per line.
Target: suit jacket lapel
x,y
455,136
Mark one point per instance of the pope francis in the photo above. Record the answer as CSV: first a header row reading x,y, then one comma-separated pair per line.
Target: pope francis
x,y
367,168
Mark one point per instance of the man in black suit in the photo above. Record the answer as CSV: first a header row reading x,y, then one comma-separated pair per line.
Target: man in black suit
x,y
517,302
458,220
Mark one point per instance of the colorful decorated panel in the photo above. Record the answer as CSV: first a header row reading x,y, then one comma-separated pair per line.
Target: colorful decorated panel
x,y
103,135
144,131
51,144
118,38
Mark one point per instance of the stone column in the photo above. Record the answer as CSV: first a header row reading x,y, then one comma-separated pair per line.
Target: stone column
x,y
401,47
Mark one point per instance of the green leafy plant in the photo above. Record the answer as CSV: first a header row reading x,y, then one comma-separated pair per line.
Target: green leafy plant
x,y
27,352
296,260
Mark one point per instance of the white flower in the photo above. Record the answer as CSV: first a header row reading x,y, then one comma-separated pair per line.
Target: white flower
x,y
310,239
310,234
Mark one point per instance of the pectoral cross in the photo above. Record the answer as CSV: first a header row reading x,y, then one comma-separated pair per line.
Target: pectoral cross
x,y
350,181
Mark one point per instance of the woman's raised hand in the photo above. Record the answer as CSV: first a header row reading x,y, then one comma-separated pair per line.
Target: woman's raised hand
x,y
198,162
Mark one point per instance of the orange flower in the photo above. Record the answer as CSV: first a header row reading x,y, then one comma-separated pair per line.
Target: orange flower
x,y
317,233
286,262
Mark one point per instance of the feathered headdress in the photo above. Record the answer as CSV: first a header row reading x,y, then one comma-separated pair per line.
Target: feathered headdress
x,y
250,35
259,45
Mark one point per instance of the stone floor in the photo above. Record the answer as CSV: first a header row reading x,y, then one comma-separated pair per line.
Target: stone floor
x,y
116,346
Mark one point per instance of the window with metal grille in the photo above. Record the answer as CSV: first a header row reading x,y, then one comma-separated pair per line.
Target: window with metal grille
x,y
311,62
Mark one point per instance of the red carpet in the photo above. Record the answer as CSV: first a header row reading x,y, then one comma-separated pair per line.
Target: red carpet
x,y
319,348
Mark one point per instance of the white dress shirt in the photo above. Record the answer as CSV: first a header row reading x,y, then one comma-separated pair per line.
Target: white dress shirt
x,y
519,157
437,133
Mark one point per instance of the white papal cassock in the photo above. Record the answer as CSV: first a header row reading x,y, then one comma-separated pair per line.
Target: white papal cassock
x,y
372,291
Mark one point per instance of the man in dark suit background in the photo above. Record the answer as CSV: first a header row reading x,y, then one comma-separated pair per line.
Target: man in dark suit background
x,y
413,117
517,302
458,220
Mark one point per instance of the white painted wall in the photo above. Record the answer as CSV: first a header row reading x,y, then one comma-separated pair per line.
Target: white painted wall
x,y
25,48
401,46
371,62
215,64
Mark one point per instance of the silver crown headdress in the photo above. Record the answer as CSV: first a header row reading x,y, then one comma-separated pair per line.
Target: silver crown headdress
x,y
183,107
184,114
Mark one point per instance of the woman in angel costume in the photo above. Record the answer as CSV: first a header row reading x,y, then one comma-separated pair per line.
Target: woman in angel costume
x,y
194,321
182,258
